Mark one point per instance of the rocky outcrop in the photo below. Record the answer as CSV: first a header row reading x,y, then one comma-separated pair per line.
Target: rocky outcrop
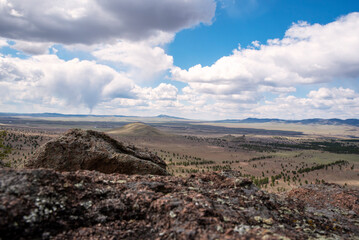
x,y
90,150
43,203
327,197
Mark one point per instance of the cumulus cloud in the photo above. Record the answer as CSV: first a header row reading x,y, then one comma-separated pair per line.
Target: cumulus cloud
x,y
49,80
93,21
52,83
308,54
321,103
162,92
142,60
332,94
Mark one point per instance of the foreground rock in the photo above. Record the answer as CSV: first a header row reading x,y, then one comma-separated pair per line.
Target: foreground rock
x,y
89,150
90,205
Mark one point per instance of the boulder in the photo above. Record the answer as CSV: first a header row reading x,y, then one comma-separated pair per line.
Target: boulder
x,y
90,150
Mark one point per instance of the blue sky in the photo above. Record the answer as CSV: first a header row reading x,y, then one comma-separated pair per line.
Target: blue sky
x,y
266,19
201,59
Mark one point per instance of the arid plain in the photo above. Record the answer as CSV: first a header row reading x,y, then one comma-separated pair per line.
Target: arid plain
x,y
277,156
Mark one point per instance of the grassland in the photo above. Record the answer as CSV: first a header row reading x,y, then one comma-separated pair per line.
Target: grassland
x,y
310,130
271,155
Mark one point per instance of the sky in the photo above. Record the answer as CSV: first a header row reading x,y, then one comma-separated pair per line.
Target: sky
x,y
198,59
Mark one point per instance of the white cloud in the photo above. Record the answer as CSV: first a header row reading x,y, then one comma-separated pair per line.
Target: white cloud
x,y
143,61
332,94
49,80
148,102
3,42
47,83
93,21
161,92
307,54
323,103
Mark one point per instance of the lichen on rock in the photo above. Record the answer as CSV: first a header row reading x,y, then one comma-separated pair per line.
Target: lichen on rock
x,y
43,203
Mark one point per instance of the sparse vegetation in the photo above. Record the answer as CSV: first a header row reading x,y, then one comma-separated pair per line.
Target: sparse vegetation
x,y
5,150
274,162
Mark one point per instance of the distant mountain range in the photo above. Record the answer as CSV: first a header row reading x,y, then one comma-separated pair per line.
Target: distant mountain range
x,y
321,121
78,115
55,115
167,116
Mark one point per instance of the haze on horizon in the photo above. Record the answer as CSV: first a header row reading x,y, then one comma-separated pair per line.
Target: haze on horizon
x,y
199,59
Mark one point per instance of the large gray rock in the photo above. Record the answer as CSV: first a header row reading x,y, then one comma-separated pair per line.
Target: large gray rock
x,y
90,150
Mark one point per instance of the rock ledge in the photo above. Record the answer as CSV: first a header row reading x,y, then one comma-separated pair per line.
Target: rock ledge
x,y
44,204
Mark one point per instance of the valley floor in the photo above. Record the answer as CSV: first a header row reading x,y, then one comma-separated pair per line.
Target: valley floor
x,y
276,161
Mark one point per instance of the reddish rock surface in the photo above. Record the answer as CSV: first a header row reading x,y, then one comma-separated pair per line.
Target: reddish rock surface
x,y
90,150
44,204
327,196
